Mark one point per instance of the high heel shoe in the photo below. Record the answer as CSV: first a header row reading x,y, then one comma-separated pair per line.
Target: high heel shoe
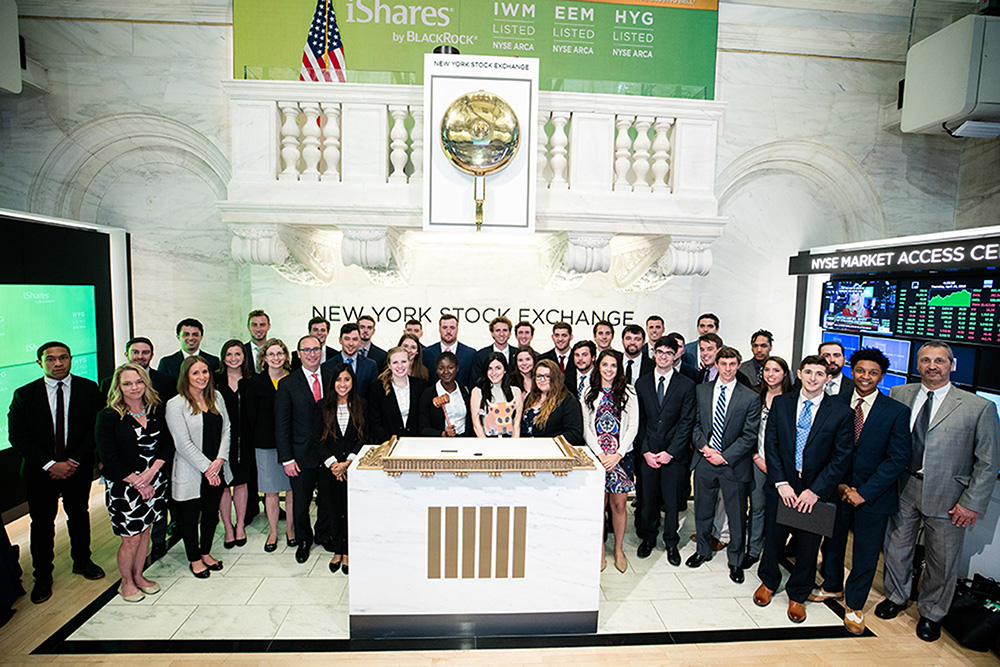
x,y
204,574
227,544
621,565
215,567
270,547
335,566
240,542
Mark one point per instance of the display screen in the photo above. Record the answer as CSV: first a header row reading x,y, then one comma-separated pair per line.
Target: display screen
x,y
890,380
867,306
850,344
898,351
963,369
31,315
989,368
965,309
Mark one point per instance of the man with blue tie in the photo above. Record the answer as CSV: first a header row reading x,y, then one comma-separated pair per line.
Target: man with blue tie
x,y
578,374
364,370
808,445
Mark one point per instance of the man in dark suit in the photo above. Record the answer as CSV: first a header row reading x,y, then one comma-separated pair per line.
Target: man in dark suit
x,y
578,374
562,336
708,348
836,382
319,328
139,351
636,364
368,349
448,332
686,370
500,329
725,437
259,326
524,333
189,332
707,323
950,476
666,420
761,343
807,445
365,370
296,438
51,425
604,335
654,329
868,495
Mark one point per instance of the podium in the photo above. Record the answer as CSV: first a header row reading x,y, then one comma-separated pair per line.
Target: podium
x,y
454,537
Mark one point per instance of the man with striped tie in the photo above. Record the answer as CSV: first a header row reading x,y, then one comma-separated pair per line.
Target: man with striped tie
x,y
808,445
725,437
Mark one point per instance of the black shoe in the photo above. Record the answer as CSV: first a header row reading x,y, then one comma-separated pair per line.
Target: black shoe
x,y
644,550
242,542
344,569
158,551
736,574
292,542
302,553
204,574
89,570
41,591
695,560
270,547
928,630
673,556
335,566
214,568
226,544
749,561
887,609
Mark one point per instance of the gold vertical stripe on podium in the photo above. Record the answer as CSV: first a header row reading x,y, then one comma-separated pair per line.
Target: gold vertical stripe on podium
x,y
485,542
503,541
468,542
450,542
520,527
433,542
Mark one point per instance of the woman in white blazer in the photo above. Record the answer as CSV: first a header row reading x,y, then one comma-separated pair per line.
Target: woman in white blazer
x,y
199,425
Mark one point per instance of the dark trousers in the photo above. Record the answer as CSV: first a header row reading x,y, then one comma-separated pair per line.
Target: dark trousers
x,y
43,503
869,533
803,577
338,514
659,485
303,486
709,482
199,513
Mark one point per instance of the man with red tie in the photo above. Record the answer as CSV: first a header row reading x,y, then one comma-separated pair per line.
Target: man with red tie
x,y
562,336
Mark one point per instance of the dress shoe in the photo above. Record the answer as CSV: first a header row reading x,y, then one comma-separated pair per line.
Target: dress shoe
x,y
749,561
150,590
824,595
887,609
796,611
928,630
736,574
718,545
334,566
138,596
344,569
291,542
673,556
228,544
204,574
214,567
302,553
89,570
621,564
854,621
695,560
158,550
762,596
270,547
41,591
242,542
644,550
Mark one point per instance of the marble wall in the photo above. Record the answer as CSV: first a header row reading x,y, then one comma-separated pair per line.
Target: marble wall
x,y
133,132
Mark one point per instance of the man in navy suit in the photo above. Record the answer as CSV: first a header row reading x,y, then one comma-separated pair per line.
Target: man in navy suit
x,y
259,325
578,374
500,330
868,496
365,370
808,446
319,328
654,329
524,333
635,363
707,323
51,425
366,328
189,332
562,336
448,332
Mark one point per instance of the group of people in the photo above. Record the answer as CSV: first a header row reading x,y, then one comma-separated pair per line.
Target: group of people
x,y
667,420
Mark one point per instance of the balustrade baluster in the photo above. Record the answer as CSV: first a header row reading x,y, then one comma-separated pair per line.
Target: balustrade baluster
x,y
543,147
331,145
560,140
417,142
290,151
623,152
661,153
640,154
397,144
310,141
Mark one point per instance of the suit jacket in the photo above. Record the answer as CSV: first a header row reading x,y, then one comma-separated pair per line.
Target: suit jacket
x,y
432,419
690,358
960,452
573,381
190,463
257,429
628,427
846,386
339,447
739,430
466,364
294,419
378,355
646,366
32,434
666,428
365,373
749,370
688,372
881,454
566,420
251,356
552,355
702,378
171,364
383,409
118,442
164,385
827,452
297,363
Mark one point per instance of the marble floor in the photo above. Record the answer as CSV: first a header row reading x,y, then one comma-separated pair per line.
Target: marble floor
x,y
252,599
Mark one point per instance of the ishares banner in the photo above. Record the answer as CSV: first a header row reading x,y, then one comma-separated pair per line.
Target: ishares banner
x,y
664,48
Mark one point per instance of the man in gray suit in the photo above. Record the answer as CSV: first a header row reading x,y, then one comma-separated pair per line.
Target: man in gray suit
x,y
725,437
950,477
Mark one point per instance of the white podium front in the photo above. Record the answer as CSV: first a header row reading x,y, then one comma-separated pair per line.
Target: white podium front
x,y
464,536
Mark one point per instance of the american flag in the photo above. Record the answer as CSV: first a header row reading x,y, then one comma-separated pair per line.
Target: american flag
x,y
323,57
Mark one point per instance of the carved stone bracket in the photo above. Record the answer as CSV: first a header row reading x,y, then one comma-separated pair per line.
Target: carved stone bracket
x,y
258,245
380,251
314,250
643,265
569,256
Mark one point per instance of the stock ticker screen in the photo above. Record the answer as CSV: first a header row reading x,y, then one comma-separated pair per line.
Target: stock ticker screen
x,y
966,309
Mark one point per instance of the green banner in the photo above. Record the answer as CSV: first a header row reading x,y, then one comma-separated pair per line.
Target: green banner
x,y
643,47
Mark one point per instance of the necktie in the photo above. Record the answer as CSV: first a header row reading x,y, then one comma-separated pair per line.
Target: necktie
x,y
661,390
920,433
562,362
719,421
802,433
317,392
760,372
350,362
364,352
579,390
60,449
859,420
628,371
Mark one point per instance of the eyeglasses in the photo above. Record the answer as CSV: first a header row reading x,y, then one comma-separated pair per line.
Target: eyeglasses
x,y
310,350
279,355
543,377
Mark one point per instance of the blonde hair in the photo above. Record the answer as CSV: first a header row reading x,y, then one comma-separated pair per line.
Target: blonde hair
x,y
184,386
261,363
386,375
116,400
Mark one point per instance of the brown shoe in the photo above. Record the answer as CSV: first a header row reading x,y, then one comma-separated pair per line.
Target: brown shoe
x,y
824,595
854,621
762,596
796,611
718,546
